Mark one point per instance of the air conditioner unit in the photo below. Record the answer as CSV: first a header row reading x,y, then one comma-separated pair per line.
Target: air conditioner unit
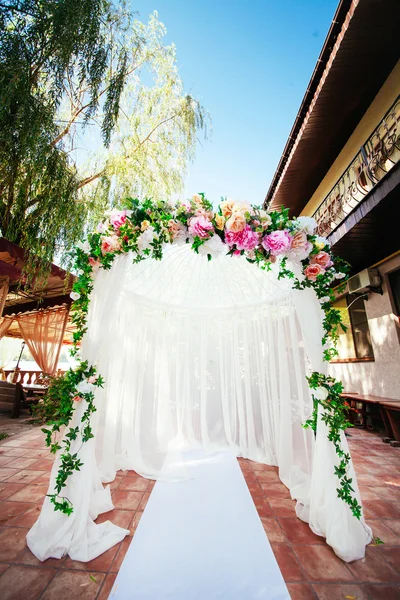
x,y
363,281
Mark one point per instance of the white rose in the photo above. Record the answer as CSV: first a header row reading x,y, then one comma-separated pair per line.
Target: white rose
x,y
84,246
75,295
308,224
84,387
320,393
145,239
340,275
214,246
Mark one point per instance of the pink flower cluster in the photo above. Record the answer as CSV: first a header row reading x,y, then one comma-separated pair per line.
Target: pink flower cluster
x,y
246,239
201,227
318,265
278,242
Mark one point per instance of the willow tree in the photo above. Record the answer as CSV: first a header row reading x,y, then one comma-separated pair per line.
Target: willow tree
x,y
91,108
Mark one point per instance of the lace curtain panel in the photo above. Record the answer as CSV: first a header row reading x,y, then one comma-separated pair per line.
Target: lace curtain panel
x,y
196,353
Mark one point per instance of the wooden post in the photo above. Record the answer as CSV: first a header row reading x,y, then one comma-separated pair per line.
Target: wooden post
x,y
4,285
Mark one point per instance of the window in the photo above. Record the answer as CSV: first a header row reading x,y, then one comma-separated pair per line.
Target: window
x,y
355,343
394,281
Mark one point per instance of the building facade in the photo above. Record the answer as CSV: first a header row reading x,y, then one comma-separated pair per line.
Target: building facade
x,y
341,165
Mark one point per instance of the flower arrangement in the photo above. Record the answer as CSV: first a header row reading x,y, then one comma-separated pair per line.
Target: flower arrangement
x,y
235,229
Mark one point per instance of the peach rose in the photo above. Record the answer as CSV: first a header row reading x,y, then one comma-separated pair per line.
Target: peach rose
x,y
313,270
322,259
227,208
299,240
236,223
144,225
77,398
219,221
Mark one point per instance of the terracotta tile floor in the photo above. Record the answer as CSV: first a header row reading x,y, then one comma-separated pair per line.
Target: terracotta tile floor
x,y
309,566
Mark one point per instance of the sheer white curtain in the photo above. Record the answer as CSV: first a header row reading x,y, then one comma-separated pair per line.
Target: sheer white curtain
x,y
210,353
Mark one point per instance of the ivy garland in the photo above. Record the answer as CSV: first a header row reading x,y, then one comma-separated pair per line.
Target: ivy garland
x,y
143,228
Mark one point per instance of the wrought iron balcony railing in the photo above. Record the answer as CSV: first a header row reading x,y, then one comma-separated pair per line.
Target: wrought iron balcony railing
x,y
376,157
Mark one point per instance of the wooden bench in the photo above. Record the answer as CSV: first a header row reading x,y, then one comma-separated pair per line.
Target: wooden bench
x,y
385,407
12,393
390,412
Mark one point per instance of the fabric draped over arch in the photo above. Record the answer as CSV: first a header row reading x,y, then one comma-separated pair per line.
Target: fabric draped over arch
x,y
196,352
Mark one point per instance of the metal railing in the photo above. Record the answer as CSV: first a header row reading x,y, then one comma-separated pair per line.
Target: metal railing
x,y
376,157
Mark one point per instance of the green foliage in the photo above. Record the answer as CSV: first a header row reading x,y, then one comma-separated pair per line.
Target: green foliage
x,y
71,68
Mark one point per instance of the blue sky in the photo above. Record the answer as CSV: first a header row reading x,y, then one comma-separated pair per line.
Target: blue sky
x,y
249,63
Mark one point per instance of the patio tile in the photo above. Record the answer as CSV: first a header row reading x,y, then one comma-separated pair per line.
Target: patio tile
x,y
263,507
373,568
6,473
381,529
392,556
24,476
107,586
30,492
301,591
393,524
136,520
383,508
268,476
44,464
122,518
144,501
126,499
78,585
321,564
102,563
12,451
9,510
255,489
114,484
383,592
28,518
298,532
8,489
273,530
136,483
288,563
122,550
27,558
274,490
20,582
334,591
12,542
283,507
21,462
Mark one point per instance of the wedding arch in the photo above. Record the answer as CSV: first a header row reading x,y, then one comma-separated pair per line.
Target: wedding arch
x,y
220,338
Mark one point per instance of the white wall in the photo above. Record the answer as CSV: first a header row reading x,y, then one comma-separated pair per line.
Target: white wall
x,y
382,376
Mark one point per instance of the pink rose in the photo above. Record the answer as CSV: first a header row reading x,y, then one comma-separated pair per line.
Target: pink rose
x,y
313,270
277,242
77,398
92,379
110,244
247,239
200,227
93,262
322,259
118,218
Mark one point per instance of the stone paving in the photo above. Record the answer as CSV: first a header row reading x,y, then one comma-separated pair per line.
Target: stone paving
x,y
310,568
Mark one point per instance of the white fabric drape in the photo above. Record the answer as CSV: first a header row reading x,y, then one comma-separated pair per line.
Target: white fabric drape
x,y
210,353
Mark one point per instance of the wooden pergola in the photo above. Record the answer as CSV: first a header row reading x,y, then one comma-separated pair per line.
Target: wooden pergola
x,y
17,299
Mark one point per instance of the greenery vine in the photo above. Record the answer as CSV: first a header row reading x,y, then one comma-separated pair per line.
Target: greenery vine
x,y
142,228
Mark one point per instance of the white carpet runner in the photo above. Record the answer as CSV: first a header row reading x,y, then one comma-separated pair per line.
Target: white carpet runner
x,y
200,539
